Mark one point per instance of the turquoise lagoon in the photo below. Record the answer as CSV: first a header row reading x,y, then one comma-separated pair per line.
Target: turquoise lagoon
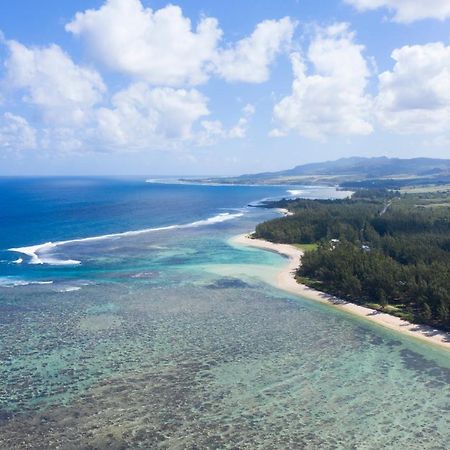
x,y
169,337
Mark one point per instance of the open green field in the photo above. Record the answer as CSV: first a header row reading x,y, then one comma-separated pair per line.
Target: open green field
x,y
426,189
306,247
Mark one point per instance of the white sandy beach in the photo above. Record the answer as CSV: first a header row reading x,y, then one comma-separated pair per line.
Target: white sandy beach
x,y
285,280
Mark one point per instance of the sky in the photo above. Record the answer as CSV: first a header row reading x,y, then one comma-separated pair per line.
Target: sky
x,y
143,87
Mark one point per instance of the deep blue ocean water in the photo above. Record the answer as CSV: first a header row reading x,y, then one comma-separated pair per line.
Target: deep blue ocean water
x,y
129,320
54,209
42,210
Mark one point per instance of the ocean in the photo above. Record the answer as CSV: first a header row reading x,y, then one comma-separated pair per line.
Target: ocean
x,y
128,320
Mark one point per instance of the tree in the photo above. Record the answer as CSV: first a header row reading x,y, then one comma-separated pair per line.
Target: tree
x,y
382,299
425,313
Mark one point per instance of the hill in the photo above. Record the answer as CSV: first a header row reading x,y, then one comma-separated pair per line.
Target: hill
x,y
353,172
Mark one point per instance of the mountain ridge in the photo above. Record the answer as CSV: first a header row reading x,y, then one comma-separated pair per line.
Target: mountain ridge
x,y
353,169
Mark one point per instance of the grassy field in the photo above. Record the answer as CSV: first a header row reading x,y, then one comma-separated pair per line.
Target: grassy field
x,y
306,247
425,189
437,205
428,199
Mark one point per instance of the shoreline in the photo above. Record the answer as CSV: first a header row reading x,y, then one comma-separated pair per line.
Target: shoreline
x,y
286,281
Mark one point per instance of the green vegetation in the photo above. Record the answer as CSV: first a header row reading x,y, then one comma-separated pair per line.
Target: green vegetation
x,y
426,189
379,248
306,247
354,172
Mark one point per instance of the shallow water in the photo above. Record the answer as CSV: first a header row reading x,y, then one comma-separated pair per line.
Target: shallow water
x,y
174,340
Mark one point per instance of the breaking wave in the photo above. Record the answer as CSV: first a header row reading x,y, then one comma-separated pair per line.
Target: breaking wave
x,y
40,253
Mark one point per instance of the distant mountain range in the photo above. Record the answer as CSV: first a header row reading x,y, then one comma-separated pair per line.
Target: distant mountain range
x,y
353,172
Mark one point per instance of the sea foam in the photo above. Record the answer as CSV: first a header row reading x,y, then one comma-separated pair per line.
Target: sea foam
x,y
295,192
10,282
39,253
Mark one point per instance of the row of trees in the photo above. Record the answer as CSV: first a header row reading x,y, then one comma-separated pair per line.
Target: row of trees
x,y
398,256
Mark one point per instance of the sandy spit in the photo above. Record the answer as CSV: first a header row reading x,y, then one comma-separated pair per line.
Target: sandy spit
x,y
285,280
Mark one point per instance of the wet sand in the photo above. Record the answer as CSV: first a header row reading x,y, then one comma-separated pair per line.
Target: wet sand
x,y
285,280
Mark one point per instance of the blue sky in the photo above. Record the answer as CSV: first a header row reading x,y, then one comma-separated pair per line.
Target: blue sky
x,y
147,87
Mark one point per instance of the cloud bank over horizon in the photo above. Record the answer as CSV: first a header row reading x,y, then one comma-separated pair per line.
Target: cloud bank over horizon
x,y
146,80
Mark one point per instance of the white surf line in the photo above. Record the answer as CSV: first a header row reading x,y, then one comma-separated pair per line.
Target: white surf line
x,y
33,251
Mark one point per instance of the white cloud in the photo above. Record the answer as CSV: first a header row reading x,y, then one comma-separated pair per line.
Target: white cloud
x,y
213,130
73,119
415,96
162,48
210,133
139,118
239,131
332,99
249,59
156,46
63,139
51,81
145,118
72,110
407,11
74,113
16,133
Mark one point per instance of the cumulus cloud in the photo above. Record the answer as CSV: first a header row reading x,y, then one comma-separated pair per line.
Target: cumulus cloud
x,y
162,56
137,118
75,113
239,131
211,131
407,11
249,59
16,133
63,91
143,118
328,97
415,96
214,130
159,47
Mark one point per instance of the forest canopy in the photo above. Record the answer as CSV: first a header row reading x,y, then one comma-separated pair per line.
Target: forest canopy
x,y
378,247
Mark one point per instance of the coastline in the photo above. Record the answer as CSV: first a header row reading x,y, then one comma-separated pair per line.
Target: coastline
x,y
286,281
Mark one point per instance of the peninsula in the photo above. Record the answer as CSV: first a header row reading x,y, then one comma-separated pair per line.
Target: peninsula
x,y
381,254
287,281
